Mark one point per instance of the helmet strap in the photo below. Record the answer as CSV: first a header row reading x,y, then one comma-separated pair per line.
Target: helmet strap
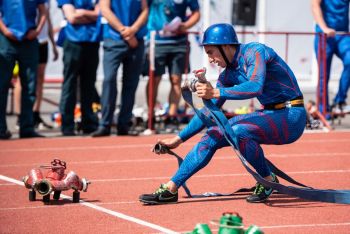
x,y
224,56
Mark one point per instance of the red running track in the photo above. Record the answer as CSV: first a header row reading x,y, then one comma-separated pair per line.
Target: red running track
x,y
122,168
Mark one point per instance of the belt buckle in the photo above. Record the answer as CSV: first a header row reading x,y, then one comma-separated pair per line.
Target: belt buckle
x,y
288,104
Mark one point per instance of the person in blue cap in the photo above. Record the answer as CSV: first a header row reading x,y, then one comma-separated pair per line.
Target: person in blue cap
x,y
19,29
251,70
332,19
80,60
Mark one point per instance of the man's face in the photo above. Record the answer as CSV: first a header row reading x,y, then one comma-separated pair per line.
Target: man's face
x,y
214,55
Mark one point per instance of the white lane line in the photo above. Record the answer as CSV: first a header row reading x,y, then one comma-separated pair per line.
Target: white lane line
x,y
149,146
104,210
60,207
217,175
207,176
38,149
166,158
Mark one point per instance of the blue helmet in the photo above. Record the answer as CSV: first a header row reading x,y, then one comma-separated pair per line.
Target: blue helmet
x,y
220,34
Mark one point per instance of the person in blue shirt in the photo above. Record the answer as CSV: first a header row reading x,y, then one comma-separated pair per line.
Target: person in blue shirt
x,y
332,19
251,70
19,29
80,60
170,21
123,44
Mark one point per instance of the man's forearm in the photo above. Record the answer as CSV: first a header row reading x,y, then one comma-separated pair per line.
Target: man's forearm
x,y
142,19
317,13
109,15
79,16
42,17
194,18
89,15
3,28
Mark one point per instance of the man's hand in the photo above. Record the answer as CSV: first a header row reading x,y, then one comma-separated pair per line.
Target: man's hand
x,y
31,34
127,33
10,35
55,53
132,42
206,91
171,143
330,32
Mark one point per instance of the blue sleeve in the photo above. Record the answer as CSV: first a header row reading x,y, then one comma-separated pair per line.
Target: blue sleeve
x,y
194,6
60,3
196,125
42,1
255,63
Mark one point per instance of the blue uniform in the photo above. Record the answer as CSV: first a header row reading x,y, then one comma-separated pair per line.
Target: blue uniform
x,y
80,59
256,71
19,16
336,16
126,16
116,52
82,32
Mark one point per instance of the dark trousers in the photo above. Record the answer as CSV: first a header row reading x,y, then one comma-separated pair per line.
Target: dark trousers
x,y
116,53
26,53
80,61
340,46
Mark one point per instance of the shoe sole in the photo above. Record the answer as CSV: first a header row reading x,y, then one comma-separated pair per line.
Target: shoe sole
x,y
156,203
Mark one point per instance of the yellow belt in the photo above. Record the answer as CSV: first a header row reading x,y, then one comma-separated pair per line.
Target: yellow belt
x,y
295,102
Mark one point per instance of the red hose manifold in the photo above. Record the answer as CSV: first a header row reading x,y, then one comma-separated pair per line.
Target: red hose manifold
x,y
54,181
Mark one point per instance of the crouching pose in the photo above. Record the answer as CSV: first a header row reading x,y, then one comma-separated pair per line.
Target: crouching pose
x,y
252,70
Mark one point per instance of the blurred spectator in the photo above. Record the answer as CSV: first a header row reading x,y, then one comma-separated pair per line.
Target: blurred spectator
x,y
168,18
123,44
80,60
18,39
332,18
45,35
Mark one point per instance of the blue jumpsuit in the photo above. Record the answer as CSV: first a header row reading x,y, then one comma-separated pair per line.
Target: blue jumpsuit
x,y
256,71
336,16
19,16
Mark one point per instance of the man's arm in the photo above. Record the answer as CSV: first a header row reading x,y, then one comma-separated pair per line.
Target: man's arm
x,y
79,16
127,32
6,31
51,36
194,18
141,20
33,33
107,13
318,16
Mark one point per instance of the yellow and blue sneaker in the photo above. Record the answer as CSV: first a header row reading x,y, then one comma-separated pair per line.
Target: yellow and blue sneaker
x,y
261,193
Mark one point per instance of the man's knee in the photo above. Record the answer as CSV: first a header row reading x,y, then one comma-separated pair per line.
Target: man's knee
x,y
213,136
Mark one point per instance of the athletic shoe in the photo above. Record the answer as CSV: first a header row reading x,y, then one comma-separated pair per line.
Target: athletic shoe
x,y
5,135
171,125
162,196
261,193
101,132
31,134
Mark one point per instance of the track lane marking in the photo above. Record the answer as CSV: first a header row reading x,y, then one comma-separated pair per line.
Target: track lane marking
x,y
217,175
205,176
104,210
228,157
60,207
132,146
